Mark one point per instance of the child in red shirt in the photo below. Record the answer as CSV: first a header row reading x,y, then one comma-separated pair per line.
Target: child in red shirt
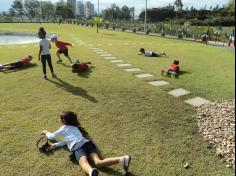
x,y
23,62
80,67
63,49
173,70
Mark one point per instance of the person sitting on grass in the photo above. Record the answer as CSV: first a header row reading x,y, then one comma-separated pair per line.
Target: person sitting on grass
x,y
63,49
173,70
150,53
83,149
23,62
80,67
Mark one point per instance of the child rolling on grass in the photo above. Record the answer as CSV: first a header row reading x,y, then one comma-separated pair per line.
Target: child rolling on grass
x,y
84,149
80,67
173,70
44,53
24,62
150,53
63,49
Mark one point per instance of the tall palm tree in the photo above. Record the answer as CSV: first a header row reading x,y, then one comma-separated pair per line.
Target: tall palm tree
x,y
97,21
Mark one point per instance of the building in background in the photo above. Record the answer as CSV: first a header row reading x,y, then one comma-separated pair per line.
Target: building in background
x,y
132,13
89,9
80,12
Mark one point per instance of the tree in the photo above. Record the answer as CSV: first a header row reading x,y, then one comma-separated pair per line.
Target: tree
x,y
18,8
97,21
32,8
48,9
64,11
178,5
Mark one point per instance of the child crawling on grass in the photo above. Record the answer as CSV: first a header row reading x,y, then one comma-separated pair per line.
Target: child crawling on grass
x,y
80,67
84,149
173,70
23,62
150,53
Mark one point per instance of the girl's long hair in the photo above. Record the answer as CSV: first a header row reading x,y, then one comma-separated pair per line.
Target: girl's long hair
x,y
70,118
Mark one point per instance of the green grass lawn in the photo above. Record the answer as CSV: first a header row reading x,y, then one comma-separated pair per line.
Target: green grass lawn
x,y
123,114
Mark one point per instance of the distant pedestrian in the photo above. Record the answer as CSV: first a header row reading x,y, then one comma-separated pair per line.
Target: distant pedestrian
x,y
232,38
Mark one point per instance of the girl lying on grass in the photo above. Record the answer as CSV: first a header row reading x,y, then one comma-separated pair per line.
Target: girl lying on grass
x,y
80,67
150,53
84,149
24,62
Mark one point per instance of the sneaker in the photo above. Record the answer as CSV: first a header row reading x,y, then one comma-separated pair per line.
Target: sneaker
x,y
125,161
54,75
45,77
59,61
93,172
1,66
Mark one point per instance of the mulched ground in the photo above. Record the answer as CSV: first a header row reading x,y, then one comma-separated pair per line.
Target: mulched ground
x,y
217,124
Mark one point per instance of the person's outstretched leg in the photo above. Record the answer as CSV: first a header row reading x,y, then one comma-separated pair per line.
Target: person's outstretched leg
x,y
83,162
124,161
59,57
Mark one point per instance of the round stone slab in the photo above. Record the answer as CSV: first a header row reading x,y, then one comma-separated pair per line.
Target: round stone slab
x,y
179,92
158,83
133,70
198,101
145,75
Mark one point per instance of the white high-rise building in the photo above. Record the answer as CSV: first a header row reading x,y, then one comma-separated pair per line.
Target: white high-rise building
x,y
89,9
80,12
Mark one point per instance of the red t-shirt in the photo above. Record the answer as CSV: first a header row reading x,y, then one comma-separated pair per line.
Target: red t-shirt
x,y
174,68
25,60
62,45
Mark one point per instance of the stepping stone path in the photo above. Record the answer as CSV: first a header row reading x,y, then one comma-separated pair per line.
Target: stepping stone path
x,y
124,65
110,58
198,101
176,93
101,52
158,83
117,61
133,70
179,92
145,75
106,55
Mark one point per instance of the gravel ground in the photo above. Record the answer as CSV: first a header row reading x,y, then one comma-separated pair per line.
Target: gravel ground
x,y
216,122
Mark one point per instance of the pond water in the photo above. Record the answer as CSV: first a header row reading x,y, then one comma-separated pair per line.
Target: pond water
x,y
17,39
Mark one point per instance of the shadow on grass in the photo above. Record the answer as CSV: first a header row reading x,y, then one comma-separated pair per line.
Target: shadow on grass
x,y
87,73
30,66
63,64
184,73
72,89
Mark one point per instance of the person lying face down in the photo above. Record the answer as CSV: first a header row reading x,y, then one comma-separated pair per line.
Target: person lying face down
x,y
150,53
23,62
80,67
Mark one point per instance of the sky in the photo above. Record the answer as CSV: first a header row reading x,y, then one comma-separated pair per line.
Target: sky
x,y
138,4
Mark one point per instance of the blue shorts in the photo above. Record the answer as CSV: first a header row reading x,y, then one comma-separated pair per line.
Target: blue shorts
x,y
87,149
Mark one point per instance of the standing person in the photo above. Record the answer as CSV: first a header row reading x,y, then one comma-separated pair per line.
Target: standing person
x,y
44,53
63,49
232,38
84,149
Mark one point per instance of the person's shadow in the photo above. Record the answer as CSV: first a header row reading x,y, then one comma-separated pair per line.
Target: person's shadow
x,y
30,66
184,72
72,89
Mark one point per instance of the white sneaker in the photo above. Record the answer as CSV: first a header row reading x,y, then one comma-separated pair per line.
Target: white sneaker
x,y
125,161
93,172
